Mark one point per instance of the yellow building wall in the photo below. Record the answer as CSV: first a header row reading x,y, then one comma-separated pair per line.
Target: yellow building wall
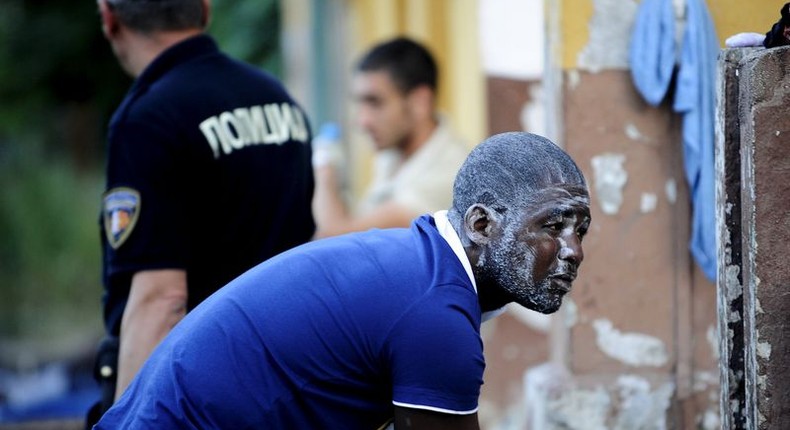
x,y
574,30
729,16
738,16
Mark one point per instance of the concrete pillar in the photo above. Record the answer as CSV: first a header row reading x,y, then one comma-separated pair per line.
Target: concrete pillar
x,y
730,277
765,169
634,346
640,342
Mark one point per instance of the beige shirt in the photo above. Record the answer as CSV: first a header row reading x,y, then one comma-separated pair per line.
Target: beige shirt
x,y
424,182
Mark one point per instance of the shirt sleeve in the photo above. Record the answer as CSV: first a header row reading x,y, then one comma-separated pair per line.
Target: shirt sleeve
x,y
145,159
436,354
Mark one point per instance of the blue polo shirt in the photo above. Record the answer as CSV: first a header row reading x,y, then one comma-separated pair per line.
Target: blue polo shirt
x,y
208,171
328,335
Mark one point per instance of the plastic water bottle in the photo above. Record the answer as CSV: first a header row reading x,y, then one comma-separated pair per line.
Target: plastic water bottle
x,y
327,146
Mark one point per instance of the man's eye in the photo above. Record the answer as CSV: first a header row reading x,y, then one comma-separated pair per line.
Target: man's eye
x,y
554,226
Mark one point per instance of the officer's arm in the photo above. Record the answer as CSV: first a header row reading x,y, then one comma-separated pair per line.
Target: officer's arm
x,y
418,419
333,217
157,301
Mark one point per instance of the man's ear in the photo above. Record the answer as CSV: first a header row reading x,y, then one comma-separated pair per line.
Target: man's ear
x,y
206,13
421,99
481,223
109,22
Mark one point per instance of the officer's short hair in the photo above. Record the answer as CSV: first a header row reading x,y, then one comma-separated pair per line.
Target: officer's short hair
x,y
409,63
504,172
148,16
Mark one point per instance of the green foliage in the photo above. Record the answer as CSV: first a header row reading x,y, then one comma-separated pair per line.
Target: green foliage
x,y
249,30
53,63
52,54
49,252
59,84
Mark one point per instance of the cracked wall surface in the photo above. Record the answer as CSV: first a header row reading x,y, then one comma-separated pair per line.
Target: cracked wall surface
x,y
764,97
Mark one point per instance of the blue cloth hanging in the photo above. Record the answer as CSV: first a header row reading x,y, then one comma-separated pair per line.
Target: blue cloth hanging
x,y
652,55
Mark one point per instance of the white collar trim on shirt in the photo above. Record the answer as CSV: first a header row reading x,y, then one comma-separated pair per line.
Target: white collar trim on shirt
x,y
449,234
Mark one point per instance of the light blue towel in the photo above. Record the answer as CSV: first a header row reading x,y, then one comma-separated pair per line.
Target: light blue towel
x,y
652,55
652,62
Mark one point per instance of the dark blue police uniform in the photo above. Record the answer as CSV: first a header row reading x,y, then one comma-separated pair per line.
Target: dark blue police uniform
x,y
208,171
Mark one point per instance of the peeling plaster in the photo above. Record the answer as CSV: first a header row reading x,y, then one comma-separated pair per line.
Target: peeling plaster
x,y
648,203
571,312
581,409
710,420
533,113
552,401
704,380
513,418
610,35
574,79
635,349
734,288
610,178
541,383
671,189
639,407
761,381
712,336
764,350
633,133
735,406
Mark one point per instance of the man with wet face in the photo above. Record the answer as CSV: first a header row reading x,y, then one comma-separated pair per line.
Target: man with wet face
x,y
529,222
381,327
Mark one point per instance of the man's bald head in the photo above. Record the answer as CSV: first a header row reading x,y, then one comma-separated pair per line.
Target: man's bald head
x,y
506,170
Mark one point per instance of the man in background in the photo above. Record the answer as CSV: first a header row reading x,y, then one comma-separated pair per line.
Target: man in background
x,y
208,174
395,89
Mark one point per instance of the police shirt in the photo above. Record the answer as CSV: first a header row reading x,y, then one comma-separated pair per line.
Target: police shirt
x,y
208,171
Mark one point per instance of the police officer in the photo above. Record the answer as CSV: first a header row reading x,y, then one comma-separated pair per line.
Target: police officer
x,y
208,174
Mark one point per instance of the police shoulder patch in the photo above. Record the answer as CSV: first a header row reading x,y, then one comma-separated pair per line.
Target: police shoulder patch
x,y
120,210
